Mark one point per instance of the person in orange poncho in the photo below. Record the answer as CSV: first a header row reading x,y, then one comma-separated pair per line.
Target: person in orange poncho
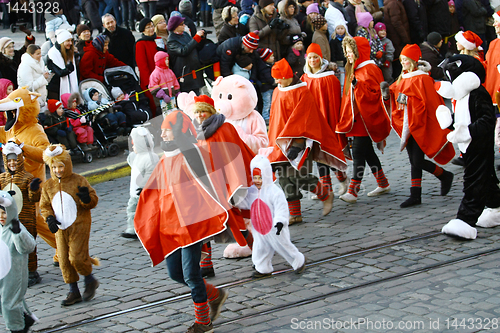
x,y
414,101
299,134
362,116
325,87
180,207
492,83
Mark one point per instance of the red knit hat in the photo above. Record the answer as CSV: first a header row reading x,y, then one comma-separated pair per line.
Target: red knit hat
x,y
468,39
412,51
314,48
251,40
496,15
53,105
204,99
265,53
282,70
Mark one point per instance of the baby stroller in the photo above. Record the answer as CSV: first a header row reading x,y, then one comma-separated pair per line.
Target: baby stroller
x,y
103,135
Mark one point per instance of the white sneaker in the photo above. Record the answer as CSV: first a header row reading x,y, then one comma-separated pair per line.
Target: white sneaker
x,y
348,197
379,191
343,186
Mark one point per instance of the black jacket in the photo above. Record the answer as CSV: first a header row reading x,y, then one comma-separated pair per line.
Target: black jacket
x,y
230,31
8,67
227,52
337,51
55,82
417,18
183,47
439,17
434,58
264,77
122,45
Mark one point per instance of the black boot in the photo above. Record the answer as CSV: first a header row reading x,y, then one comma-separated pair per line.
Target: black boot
x,y
28,322
446,179
415,197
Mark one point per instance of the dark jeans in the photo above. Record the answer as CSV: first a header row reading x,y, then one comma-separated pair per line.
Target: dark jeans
x,y
363,152
116,119
107,5
184,267
128,12
149,8
417,159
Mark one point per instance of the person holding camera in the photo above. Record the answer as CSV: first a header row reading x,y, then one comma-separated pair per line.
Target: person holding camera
x,y
288,10
265,20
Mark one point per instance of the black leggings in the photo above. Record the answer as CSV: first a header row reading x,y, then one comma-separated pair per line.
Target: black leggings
x,y
417,159
362,152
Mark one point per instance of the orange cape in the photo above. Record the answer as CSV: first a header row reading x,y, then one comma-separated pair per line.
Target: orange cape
x,y
492,83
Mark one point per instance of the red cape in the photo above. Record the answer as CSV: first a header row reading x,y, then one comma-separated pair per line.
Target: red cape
x,y
294,115
325,88
492,83
364,101
423,101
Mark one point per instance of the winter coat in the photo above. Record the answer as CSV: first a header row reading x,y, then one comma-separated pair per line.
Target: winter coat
x,y
14,248
296,60
50,126
267,37
64,79
230,31
228,51
94,62
91,104
162,75
396,22
320,38
417,19
145,50
375,44
8,67
183,47
434,58
294,28
122,45
337,50
474,16
263,70
143,161
67,100
352,23
438,17
30,74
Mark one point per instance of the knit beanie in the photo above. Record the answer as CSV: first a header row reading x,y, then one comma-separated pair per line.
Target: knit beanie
x,y
251,40
157,18
468,39
312,8
92,91
412,51
4,41
116,92
243,60
98,42
265,53
451,3
379,26
174,22
282,70
364,19
296,38
144,22
185,7
318,22
81,28
63,35
265,3
434,38
53,105
314,48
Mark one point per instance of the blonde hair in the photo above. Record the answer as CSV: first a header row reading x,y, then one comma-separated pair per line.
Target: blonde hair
x,y
203,107
61,158
349,67
474,53
413,66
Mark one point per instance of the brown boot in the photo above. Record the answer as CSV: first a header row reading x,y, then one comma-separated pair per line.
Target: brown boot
x,y
89,292
72,298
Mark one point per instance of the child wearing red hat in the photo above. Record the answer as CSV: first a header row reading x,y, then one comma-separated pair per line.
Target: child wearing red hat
x,y
57,125
414,101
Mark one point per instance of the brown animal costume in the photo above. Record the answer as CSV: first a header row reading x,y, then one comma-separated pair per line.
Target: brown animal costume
x,y
65,204
22,127
19,180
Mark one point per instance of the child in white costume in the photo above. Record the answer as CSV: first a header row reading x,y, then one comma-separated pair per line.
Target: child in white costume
x,y
269,215
142,162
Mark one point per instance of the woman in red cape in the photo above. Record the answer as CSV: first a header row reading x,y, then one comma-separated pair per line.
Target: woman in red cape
x,y
414,101
362,116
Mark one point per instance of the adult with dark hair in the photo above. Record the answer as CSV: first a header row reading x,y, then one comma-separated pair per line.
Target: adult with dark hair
x,y
232,27
181,45
234,47
61,61
121,40
97,58
430,53
265,21
10,58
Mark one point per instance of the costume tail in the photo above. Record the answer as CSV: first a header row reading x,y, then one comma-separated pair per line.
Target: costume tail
x,y
95,261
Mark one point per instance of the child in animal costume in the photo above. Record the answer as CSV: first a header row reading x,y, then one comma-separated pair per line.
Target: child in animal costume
x,y
22,127
269,215
142,161
296,138
363,117
15,245
474,126
27,193
167,223
414,102
67,199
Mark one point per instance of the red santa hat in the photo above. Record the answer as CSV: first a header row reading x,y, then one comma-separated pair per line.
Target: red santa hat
x,y
412,51
282,70
314,48
496,16
53,105
468,39
256,172
204,99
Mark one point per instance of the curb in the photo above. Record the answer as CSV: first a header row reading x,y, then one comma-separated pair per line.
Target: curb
x,y
105,174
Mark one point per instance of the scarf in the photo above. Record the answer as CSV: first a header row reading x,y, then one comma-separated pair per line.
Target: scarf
x,y
209,126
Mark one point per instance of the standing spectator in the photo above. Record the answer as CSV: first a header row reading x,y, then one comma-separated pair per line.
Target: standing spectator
x,y
149,7
181,45
287,10
365,29
264,14
91,9
295,56
61,61
32,72
335,15
354,7
439,20
121,40
97,58
398,30
205,17
301,17
10,58
475,15
161,31
417,19
5,14
320,36
231,27
430,53
128,13
218,6
455,27
185,8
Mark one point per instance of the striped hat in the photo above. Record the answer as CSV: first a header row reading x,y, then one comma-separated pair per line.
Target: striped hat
x,y
251,40
265,53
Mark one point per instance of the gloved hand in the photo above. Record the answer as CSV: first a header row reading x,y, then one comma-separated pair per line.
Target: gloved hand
x,y
53,224
379,54
35,184
25,30
293,152
275,22
83,194
61,133
83,120
16,228
384,88
161,94
139,191
278,226
70,67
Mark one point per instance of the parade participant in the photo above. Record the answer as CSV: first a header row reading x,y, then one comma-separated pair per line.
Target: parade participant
x,y
296,139
15,245
66,201
325,87
269,215
27,189
414,102
474,125
167,224
362,116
